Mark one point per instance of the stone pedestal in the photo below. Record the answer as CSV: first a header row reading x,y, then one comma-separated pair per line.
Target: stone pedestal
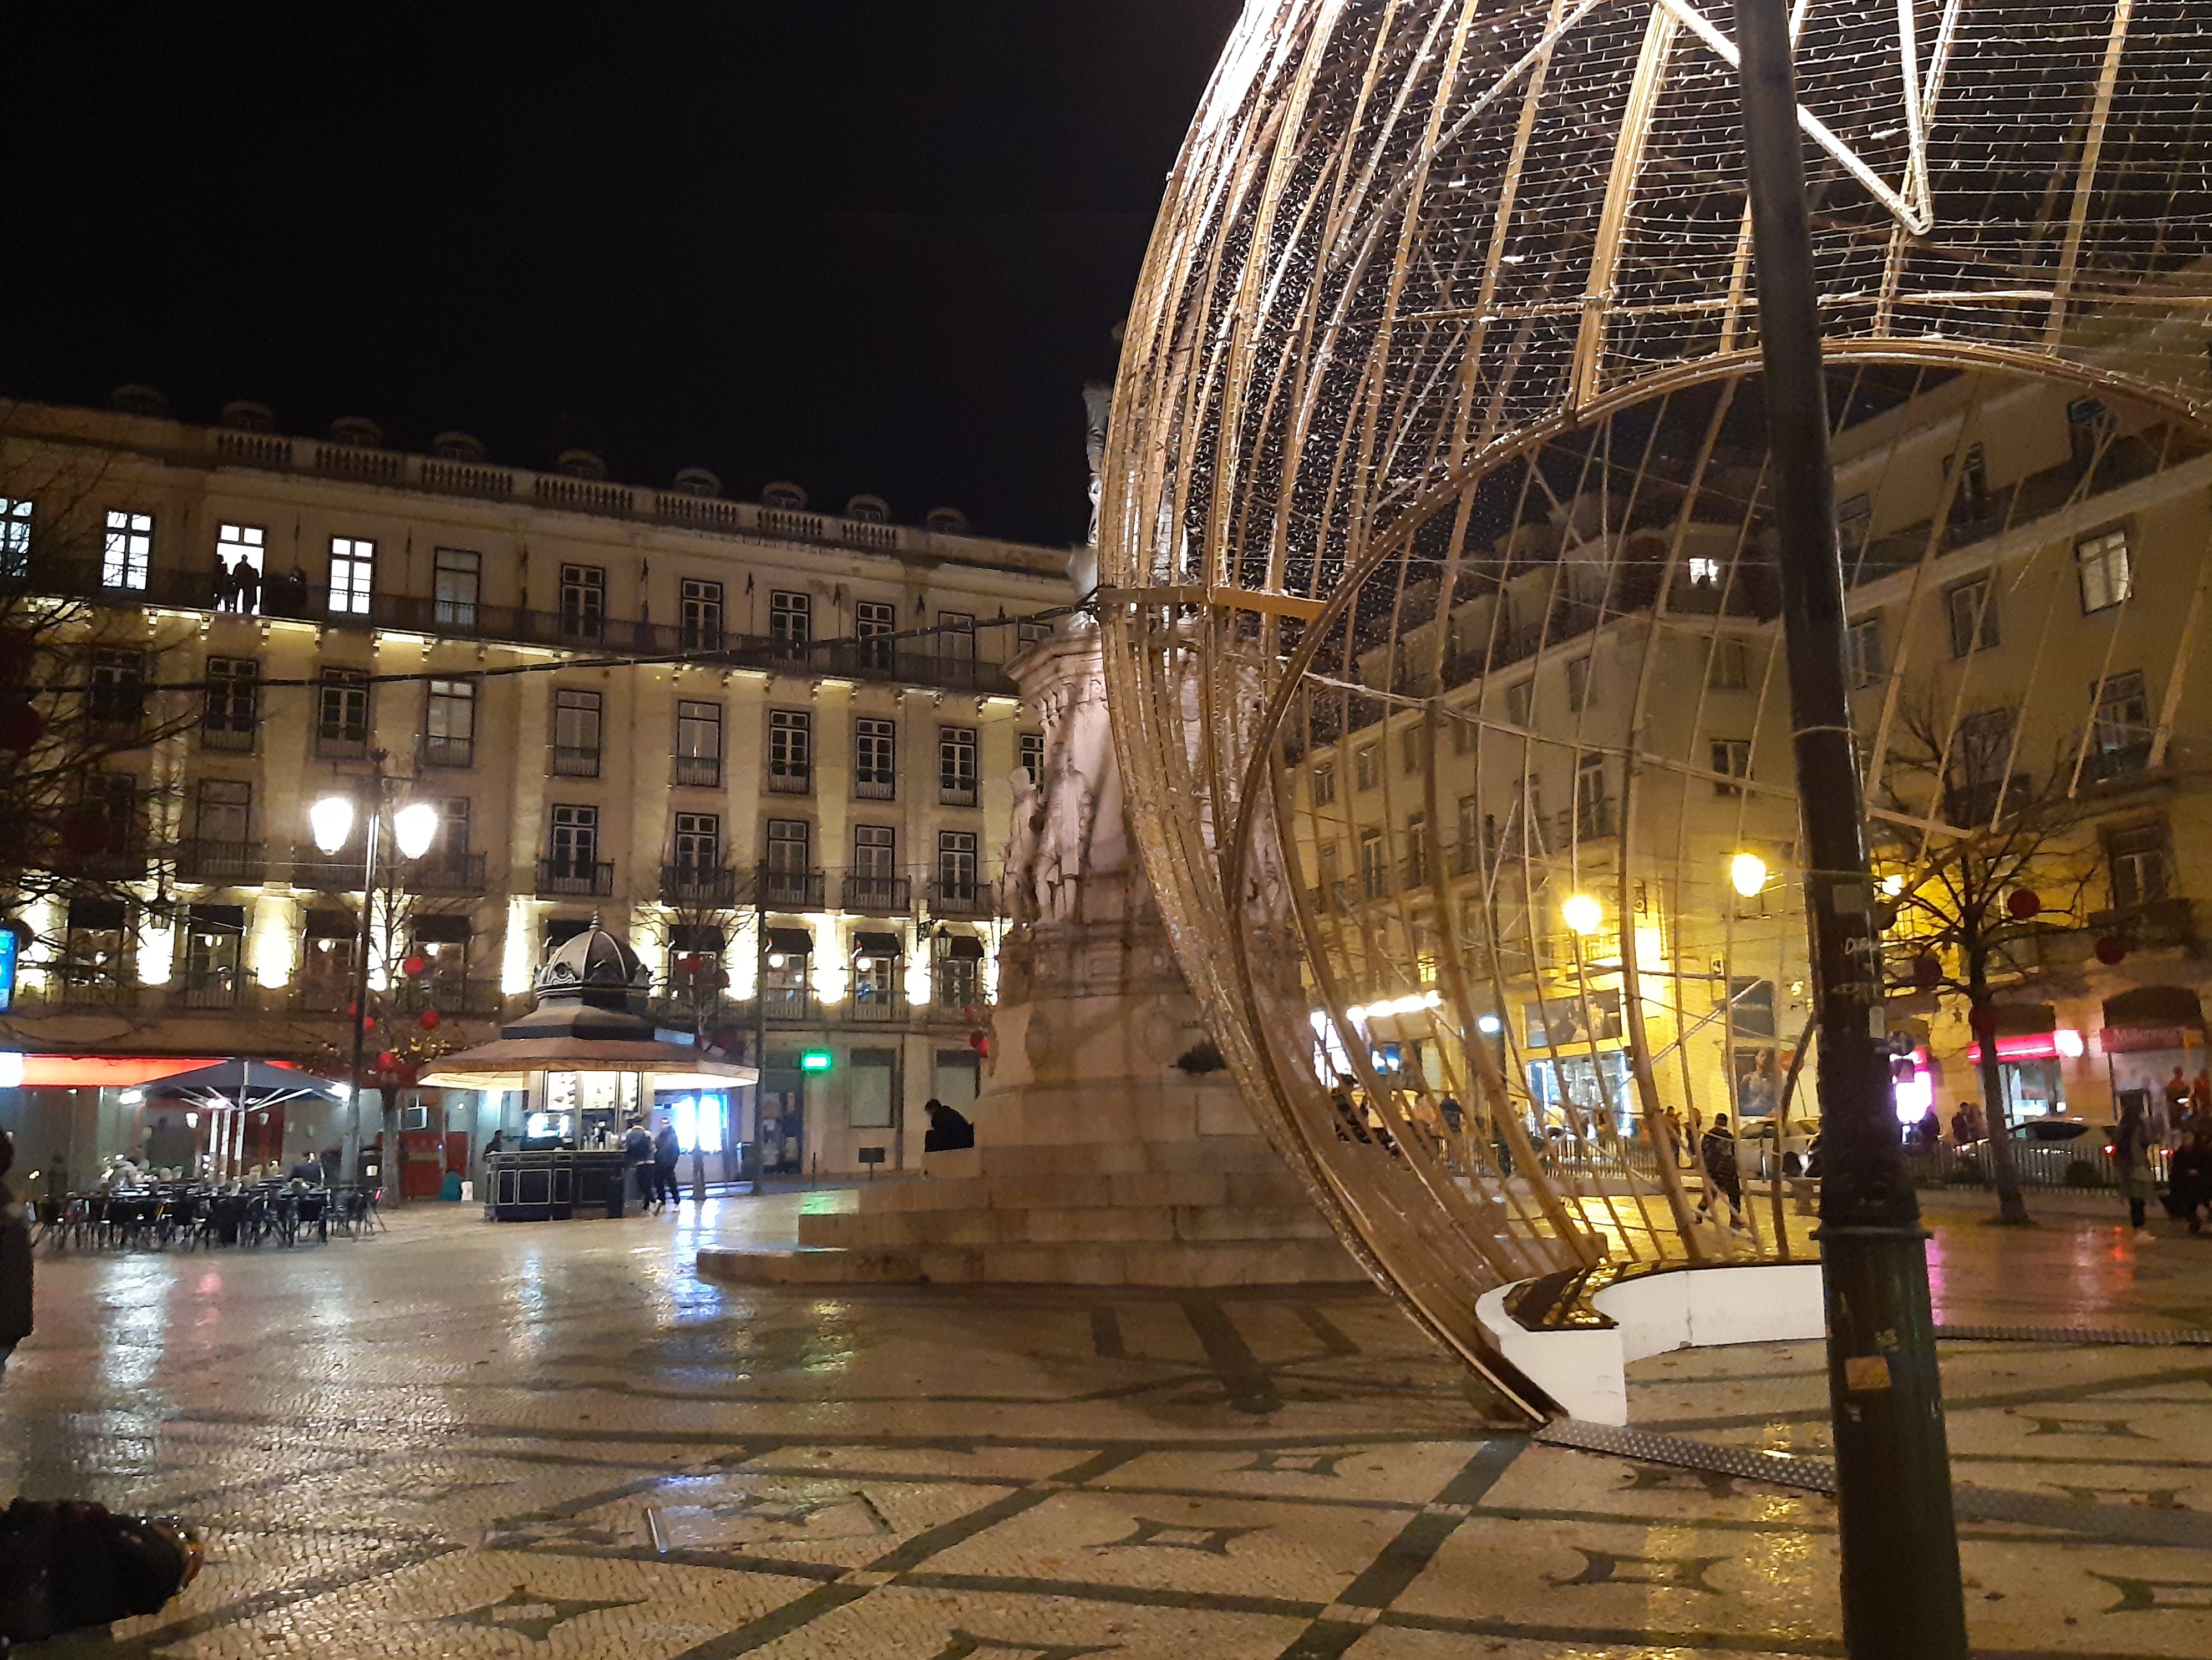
x,y
1111,1147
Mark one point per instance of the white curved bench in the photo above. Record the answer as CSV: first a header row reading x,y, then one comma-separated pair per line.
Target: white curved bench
x,y
1574,1341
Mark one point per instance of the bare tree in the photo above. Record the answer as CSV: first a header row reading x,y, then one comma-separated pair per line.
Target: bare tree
x,y
1987,863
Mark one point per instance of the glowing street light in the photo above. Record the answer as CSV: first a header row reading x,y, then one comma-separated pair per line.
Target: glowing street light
x,y
330,820
1583,913
414,828
1747,874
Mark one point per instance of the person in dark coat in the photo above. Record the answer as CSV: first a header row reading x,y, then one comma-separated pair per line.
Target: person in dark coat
x,y
949,1131
15,1258
637,1158
2188,1177
1716,1152
665,1153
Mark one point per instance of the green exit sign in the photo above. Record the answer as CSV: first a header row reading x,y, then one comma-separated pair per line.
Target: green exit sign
x,y
814,1061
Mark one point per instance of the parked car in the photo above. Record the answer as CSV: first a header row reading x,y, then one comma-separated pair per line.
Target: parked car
x,y
2044,1149
1755,1147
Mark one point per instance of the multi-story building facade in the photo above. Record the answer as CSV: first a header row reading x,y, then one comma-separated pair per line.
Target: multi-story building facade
x,y
1581,744
772,745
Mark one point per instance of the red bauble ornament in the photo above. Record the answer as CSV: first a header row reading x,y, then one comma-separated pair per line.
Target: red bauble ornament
x,y
368,1024
1926,972
387,1061
979,1042
689,964
723,980
1982,1022
414,967
431,1018
2110,949
352,1009
2022,903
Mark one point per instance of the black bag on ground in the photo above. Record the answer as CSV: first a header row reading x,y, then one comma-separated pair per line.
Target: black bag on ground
x,y
65,1565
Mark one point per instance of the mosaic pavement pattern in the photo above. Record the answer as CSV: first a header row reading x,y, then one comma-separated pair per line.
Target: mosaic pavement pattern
x,y
462,1440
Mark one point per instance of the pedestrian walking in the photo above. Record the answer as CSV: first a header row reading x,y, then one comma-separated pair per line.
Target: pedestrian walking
x,y
665,1153
2189,1178
1716,1152
637,1159
2131,1144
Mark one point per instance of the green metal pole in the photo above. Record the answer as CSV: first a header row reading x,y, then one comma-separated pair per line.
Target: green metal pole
x,y
1901,1595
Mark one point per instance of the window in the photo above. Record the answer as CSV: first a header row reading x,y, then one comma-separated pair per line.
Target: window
x,y
790,751
1471,834
1518,697
875,759
2106,579
449,724
790,846
1415,748
213,937
875,621
225,810
698,841
327,961
1324,784
956,636
576,734
128,552
1704,572
699,744
115,700
956,865
1971,504
353,568
791,621
701,605
959,965
583,602
1593,807
457,578
1862,654
1985,745
2141,872
1853,524
1032,634
1578,685
230,710
341,714
453,843
1731,759
2121,744
237,545
1526,821
2085,429
575,845
1972,607
956,766
1374,865
14,537
1464,730
1417,850
1751,1008
1031,747
874,849
1727,667
1367,766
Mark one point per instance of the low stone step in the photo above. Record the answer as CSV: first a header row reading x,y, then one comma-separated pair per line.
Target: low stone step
x,y
1183,1263
868,1229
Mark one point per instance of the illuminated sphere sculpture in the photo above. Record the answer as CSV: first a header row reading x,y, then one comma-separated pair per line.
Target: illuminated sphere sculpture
x,y
1435,557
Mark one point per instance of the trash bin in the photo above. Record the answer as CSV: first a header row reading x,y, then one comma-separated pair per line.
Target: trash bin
x,y
618,1192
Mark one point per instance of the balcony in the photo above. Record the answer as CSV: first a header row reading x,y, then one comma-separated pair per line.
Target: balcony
x,y
477,998
85,992
877,895
699,771
570,761
872,1005
956,791
2159,923
875,786
346,743
789,1003
963,898
698,886
238,740
210,861
442,751
339,873
216,990
581,878
792,890
790,778
444,872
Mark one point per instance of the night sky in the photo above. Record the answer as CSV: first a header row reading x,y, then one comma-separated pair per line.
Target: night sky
x,y
865,247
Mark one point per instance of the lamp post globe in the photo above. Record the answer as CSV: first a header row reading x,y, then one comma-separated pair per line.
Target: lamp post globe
x,y
331,822
1747,874
415,827
1583,914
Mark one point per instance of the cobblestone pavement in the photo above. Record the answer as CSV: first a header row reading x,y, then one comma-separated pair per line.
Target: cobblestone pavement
x,y
467,1440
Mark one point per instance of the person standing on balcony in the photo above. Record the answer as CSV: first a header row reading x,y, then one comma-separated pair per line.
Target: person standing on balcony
x,y
247,581
2131,1144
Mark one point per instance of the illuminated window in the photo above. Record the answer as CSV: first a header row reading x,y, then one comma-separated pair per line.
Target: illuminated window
x,y
353,567
128,552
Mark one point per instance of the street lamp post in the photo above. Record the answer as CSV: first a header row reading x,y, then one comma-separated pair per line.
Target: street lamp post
x,y
1901,1595
331,821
